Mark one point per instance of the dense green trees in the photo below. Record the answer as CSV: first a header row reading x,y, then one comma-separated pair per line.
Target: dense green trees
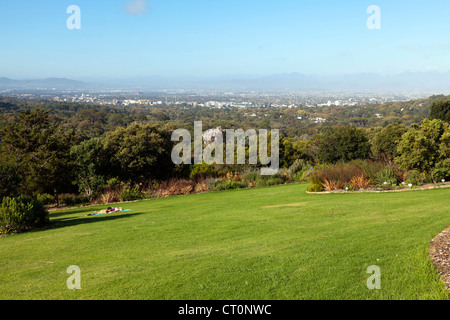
x,y
425,147
343,144
385,142
73,147
39,151
139,153
440,110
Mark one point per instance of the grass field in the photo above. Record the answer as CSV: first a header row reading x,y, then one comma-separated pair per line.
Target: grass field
x,y
267,243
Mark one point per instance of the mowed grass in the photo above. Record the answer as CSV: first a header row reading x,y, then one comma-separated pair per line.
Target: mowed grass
x,y
267,243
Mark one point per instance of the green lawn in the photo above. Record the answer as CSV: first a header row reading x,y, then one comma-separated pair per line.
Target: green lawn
x,y
244,244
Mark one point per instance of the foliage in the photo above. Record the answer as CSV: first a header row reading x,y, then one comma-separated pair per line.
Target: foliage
x,y
357,174
359,182
139,153
22,213
331,185
385,142
40,150
229,185
71,199
343,144
423,147
440,110
314,188
10,178
91,165
442,171
175,187
386,177
45,198
415,177
129,193
203,170
269,181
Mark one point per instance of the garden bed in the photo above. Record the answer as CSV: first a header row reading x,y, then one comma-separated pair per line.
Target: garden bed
x,y
440,255
379,190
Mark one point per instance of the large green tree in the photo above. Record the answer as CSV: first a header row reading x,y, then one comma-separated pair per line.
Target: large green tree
x,y
91,163
385,142
343,144
40,150
426,146
140,152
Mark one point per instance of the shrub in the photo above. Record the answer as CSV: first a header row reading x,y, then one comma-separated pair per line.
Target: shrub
x,y
386,177
441,173
201,186
21,213
175,187
229,185
251,177
203,171
71,199
360,182
300,176
299,166
314,188
233,176
109,196
269,182
45,198
330,185
315,182
415,177
130,194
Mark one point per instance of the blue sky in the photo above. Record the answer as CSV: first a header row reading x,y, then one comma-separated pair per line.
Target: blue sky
x,y
215,37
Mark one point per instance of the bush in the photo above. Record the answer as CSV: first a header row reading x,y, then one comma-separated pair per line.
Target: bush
x,y
314,188
71,199
229,185
213,183
386,177
203,171
22,213
250,176
130,194
441,173
45,198
175,187
298,167
415,177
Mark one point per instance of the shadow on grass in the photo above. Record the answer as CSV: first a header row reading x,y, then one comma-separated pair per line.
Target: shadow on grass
x,y
69,221
66,212
74,221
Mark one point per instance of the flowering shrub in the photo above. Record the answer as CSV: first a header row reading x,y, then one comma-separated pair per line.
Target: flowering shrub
x,y
354,175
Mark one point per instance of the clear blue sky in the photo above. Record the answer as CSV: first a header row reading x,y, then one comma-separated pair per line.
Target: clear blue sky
x,y
215,37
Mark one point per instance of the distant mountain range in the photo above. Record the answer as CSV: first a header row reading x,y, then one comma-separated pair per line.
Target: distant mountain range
x,y
50,83
423,81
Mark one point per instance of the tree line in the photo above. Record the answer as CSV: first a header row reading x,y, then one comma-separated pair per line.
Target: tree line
x,y
48,153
